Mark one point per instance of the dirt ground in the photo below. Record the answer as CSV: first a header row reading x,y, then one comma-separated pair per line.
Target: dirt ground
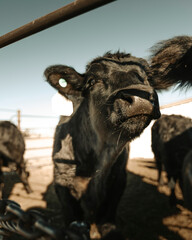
x,y
144,212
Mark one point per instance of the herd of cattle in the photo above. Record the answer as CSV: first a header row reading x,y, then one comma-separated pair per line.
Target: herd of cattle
x,y
113,101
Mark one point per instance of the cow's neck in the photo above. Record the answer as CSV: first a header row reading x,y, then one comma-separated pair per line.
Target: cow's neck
x,y
106,147
82,125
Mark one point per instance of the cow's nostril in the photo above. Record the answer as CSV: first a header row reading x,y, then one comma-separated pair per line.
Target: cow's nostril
x,y
129,100
126,97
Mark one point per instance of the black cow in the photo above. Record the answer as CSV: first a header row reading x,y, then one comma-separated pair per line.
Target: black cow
x,y
114,101
171,142
187,180
12,148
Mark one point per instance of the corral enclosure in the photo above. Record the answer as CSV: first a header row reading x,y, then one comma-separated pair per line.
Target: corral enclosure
x,y
144,212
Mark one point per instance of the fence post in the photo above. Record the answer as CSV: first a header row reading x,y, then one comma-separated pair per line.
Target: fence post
x,y
19,119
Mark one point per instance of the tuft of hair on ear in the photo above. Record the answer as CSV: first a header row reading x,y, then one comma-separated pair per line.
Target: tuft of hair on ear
x,y
171,63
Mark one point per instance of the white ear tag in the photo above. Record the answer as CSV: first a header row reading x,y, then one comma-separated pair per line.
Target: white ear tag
x,y
62,82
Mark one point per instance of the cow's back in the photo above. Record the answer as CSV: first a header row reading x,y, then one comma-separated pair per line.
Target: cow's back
x,y
171,131
12,144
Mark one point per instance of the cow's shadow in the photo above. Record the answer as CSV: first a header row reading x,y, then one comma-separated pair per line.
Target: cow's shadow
x,y
142,210
140,213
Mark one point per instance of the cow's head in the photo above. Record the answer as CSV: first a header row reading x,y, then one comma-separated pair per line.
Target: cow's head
x,y
121,100
120,88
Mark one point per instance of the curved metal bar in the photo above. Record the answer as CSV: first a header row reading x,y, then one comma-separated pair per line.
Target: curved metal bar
x,y
60,15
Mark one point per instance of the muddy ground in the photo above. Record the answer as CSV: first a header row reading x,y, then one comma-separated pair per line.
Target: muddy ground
x,y
144,212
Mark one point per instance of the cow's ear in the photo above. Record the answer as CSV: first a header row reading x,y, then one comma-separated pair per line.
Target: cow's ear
x,y
171,62
65,79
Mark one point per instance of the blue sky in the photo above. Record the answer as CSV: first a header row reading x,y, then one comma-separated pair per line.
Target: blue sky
x,y
130,26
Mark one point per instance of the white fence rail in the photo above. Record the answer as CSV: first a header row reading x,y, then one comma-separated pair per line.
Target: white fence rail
x,y
38,133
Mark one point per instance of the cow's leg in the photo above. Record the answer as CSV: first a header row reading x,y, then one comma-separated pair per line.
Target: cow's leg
x,y
65,187
171,169
116,184
23,174
159,169
104,192
71,209
171,185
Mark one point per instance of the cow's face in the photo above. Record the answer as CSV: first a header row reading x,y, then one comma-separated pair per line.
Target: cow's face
x,y
121,101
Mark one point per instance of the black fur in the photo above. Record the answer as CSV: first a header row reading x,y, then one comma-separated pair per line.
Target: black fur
x,y
171,62
171,141
12,148
187,180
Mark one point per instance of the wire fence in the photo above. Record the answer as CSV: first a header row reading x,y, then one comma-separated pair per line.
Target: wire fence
x,y
38,132
40,125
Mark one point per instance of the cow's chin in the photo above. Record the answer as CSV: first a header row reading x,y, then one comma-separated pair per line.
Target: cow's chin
x,y
132,127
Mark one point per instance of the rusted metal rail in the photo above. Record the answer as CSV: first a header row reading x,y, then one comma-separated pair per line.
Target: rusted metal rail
x,y
60,15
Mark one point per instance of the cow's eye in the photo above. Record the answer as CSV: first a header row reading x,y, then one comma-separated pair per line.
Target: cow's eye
x,y
62,82
92,82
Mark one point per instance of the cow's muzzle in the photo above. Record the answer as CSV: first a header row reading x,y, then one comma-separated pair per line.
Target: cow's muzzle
x,y
136,100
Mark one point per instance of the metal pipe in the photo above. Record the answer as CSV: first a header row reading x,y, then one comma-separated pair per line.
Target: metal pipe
x,y
60,15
